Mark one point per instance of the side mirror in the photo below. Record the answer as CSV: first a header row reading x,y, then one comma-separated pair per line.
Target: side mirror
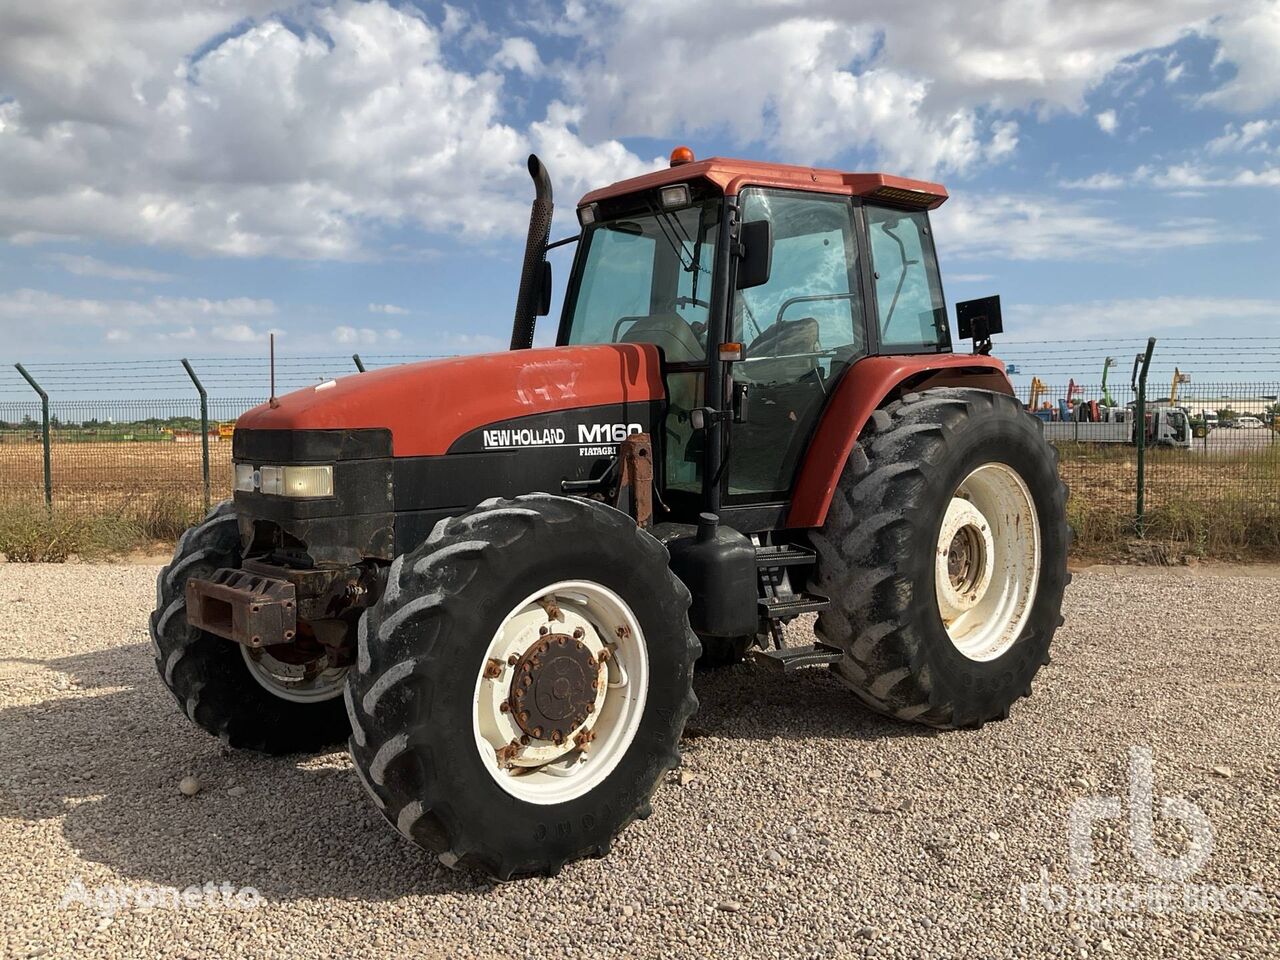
x,y
755,253
543,302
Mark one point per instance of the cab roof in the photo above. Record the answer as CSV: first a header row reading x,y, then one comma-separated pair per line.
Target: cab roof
x,y
732,175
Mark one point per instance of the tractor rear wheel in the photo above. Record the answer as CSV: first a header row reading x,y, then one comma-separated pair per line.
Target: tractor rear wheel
x,y
522,684
945,557
250,701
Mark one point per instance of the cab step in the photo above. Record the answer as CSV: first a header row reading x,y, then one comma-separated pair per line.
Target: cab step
x,y
779,608
784,555
790,659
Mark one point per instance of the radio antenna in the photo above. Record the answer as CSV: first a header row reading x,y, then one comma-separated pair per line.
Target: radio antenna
x,y
274,402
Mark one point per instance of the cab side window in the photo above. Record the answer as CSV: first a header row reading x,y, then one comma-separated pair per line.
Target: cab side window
x,y
810,304
800,331
911,312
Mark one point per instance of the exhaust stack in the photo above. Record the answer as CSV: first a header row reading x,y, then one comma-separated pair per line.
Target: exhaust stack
x,y
533,277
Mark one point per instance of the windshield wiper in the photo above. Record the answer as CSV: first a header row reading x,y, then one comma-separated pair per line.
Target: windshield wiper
x,y
677,247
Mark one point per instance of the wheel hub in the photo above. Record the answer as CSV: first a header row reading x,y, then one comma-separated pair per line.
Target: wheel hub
x,y
554,685
988,559
560,692
964,558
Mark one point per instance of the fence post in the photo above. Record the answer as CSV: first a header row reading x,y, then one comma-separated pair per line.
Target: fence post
x,y
1141,364
355,358
204,429
44,435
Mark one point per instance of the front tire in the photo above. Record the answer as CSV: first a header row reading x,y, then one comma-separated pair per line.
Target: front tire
x,y
212,678
489,725
945,557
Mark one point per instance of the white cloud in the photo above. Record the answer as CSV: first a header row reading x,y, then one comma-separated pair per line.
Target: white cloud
x,y
241,333
387,308
1250,46
86,266
1141,316
969,277
41,307
293,141
816,80
226,127
1250,137
1180,178
364,336
1097,181
1107,121
1035,228
518,53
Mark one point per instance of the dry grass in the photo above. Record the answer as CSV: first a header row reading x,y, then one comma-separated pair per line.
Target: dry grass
x,y
29,533
112,497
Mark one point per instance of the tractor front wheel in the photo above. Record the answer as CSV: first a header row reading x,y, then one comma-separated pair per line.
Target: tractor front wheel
x,y
522,684
249,699
945,557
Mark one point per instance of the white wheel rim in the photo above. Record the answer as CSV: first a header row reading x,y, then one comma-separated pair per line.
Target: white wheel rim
x,y
590,617
987,562
289,681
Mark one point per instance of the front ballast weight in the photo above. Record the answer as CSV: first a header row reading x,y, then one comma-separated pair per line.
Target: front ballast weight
x,y
249,609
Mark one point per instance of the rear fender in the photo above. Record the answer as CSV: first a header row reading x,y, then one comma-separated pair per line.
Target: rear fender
x,y
871,383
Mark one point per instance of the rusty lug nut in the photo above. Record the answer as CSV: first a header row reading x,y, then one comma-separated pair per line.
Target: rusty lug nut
x,y
578,633
561,639
557,737
603,655
544,629
523,716
493,669
504,707
591,708
524,740
513,660
583,739
537,732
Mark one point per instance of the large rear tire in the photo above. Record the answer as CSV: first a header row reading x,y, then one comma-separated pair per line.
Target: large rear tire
x,y
522,684
212,678
945,557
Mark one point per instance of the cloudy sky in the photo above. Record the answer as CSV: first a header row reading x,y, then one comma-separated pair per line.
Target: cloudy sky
x,y
180,179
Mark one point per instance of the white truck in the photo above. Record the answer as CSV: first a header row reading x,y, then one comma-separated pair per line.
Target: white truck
x,y
1166,427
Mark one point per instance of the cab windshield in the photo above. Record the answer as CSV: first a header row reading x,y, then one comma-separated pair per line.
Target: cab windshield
x,y
646,278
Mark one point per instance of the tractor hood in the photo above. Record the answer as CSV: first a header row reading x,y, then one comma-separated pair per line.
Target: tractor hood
x,y
429,405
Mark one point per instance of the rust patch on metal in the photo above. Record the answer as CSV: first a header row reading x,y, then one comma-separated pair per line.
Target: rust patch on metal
x,y
244,607
552,606
635,455
555,687
508,753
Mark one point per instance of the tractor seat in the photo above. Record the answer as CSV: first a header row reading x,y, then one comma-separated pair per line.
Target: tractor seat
x,y
783,353
669,331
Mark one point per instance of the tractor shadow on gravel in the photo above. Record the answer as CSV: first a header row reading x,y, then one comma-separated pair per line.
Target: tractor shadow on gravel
x,y
105,749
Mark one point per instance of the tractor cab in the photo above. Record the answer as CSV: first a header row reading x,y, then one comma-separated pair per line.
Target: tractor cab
x,y
761,285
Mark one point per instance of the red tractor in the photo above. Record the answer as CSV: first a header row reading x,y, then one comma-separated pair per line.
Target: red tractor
x,y
495,574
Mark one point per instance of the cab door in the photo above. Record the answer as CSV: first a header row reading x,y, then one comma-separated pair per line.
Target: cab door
x,y
800,331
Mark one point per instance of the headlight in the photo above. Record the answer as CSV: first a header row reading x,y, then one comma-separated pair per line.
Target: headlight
x,y
286,481
246,477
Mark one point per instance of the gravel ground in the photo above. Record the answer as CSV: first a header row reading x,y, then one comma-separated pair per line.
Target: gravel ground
x,y
801,826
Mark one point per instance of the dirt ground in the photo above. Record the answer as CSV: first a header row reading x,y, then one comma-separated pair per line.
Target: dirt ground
x,y
801,825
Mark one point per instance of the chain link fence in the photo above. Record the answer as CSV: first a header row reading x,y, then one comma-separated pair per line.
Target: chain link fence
x,y
1208,473
111,456
1201,476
